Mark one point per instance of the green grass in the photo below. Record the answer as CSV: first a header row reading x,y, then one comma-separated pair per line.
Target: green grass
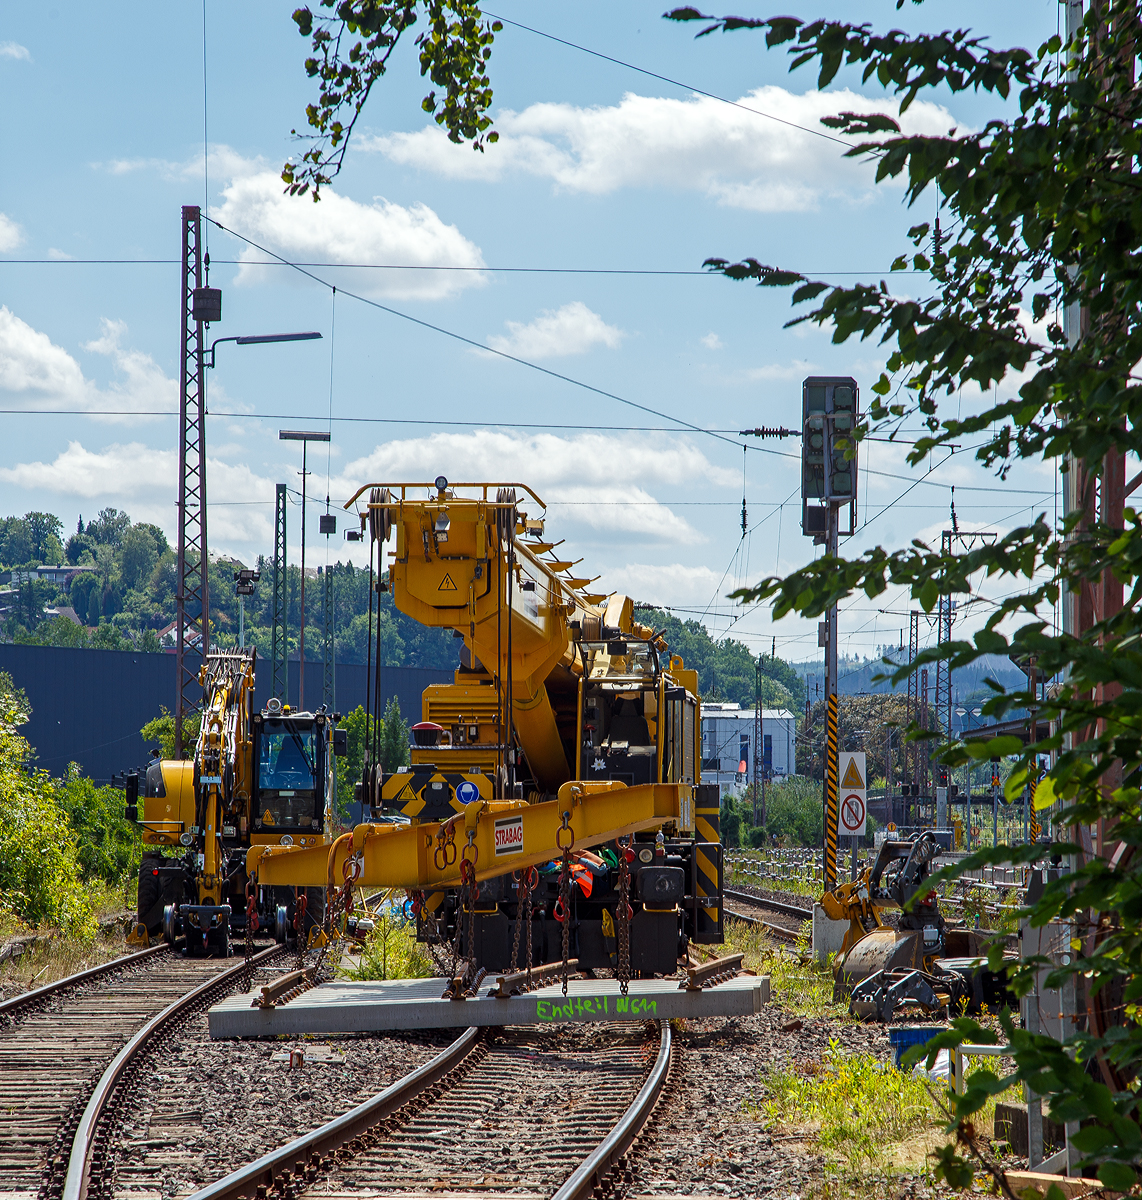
x,y
391,951
59,953
797,983
853,1106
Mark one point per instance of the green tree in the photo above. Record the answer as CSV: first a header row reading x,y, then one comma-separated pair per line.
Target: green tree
x,y
160,730
108,846
359,728
393,737
109,528
39,865
56,631
138,556
46,529
1041,217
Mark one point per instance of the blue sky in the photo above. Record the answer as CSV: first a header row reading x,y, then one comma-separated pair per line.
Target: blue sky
x,y
597,167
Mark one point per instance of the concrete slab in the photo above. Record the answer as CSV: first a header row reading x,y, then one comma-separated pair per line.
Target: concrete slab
x,y
345,1007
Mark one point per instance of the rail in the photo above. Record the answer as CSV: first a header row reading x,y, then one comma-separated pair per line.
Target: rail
x,y
79,1169
343,1129
80,977
301,1159
590,1174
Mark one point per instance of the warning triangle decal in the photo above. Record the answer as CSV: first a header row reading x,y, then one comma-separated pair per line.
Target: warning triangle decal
x,y
446,584
852,777
406,794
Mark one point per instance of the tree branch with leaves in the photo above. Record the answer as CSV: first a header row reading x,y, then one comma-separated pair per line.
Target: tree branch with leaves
x,y
1042,213
351,49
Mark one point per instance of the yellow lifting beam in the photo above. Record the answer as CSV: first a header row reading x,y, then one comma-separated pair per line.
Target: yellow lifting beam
x,y
496,835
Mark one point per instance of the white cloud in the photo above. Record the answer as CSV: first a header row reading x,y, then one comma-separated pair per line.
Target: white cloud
x,y
556,333
797,369
46,376
738,158
341,230
59,255
712,342
11,235
604,483
144,480
665,583
14,50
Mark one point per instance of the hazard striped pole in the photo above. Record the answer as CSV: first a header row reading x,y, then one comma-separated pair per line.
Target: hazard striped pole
x,y
831,797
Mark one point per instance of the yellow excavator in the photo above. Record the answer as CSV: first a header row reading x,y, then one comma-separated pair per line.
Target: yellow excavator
x,y
922,959
568,726
256,778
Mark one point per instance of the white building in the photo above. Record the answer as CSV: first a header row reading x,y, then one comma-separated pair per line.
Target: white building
x,y
727,744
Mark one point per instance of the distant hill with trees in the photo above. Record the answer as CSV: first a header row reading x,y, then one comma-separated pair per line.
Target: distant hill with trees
x,y
121,589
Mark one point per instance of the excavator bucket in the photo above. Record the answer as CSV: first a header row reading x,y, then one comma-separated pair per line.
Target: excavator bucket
x,y
881,950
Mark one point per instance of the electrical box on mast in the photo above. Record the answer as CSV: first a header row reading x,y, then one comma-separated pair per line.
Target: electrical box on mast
x,y
829,411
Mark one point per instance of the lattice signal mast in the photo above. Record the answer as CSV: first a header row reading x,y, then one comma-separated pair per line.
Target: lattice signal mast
x,y
279,642
201,304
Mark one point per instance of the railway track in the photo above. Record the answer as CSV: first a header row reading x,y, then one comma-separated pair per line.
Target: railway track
x,y
67,1052
537,1112
745,901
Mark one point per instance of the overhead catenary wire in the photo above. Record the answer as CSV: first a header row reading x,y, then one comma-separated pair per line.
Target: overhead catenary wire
x,y
757,112
357,266
459,337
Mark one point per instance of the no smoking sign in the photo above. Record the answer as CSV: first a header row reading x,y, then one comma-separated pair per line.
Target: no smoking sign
x,y
853,807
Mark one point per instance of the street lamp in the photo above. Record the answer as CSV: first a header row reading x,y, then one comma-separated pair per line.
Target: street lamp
x,y
259,339
304,436
244,581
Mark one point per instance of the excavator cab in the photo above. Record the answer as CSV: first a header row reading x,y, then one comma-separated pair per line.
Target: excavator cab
x,y
291,757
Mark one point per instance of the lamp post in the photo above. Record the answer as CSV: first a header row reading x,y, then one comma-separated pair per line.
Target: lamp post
x,y
304,436
244,580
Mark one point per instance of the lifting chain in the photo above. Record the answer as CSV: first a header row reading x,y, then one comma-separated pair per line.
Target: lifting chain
x,y
526,880
622,919
338,909
252,924
563,905
468,867
299,927
533,878
521,891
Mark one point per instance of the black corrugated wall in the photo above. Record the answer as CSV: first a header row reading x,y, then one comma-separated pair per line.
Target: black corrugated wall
x,y
89,705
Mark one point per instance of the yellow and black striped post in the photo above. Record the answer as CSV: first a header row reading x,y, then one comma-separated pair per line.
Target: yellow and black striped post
x,y
831,797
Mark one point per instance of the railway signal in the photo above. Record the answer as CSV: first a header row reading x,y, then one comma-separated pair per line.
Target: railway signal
x,y
829,414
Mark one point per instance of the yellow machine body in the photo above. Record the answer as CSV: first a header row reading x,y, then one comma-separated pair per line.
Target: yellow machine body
x,y
566,721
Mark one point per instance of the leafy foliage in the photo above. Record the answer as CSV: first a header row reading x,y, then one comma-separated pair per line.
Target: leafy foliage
x,y
108,846
391,951
1042,218
161,730
351,51
40,872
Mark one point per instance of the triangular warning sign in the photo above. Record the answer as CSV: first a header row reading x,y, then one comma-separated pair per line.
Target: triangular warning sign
x,y
852,777
406,794
446,584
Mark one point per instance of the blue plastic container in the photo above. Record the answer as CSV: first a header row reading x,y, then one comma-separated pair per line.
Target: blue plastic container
x,y
904,1038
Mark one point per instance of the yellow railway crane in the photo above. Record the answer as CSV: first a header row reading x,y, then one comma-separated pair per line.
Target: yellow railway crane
x,y
256,778
567,726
